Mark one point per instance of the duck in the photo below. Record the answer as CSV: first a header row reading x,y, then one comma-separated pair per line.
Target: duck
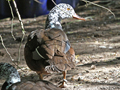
x,y
49,50
14,82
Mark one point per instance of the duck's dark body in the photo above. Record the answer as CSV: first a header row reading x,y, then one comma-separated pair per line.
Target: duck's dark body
x,y
55,53
31,85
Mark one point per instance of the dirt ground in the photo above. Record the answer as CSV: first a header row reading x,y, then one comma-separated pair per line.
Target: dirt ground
x,y
96,43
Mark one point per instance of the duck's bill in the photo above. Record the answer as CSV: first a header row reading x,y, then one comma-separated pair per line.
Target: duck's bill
x,y
75,16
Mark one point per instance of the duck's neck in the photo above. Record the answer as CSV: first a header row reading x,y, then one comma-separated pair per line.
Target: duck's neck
x,y
53,21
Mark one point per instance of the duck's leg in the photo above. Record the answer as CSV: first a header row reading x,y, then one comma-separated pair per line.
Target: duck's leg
x,y
40,75
63,85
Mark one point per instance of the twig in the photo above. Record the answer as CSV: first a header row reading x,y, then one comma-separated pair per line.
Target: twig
x,y
54,2
12,20
9,54
19,17
100,6
20,46
6,48
12,33
22,26
38,1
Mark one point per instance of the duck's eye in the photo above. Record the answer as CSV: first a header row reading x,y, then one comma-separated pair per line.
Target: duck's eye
x,y
68,8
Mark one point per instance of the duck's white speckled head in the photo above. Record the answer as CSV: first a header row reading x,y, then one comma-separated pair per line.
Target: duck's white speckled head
x,y
59,12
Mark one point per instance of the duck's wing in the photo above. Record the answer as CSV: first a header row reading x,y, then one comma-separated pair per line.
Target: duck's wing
x,y
61,61
61,54
49,49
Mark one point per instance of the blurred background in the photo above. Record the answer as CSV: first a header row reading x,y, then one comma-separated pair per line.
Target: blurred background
x,y
31,8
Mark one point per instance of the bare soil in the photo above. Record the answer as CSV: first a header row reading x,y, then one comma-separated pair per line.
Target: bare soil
x,y
96,43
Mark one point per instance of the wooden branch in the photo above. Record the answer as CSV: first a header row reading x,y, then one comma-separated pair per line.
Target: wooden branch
x,y
22,26
54,2
10,54
6,48
12,20
38,1
99,6
19,17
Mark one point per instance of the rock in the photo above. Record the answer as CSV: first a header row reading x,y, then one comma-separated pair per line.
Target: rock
x,y
93,66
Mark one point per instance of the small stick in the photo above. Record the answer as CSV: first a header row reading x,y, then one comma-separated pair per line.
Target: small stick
x,y
12,20
100,6
54,2
38,1
22,26
6,48
9,54
19,17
